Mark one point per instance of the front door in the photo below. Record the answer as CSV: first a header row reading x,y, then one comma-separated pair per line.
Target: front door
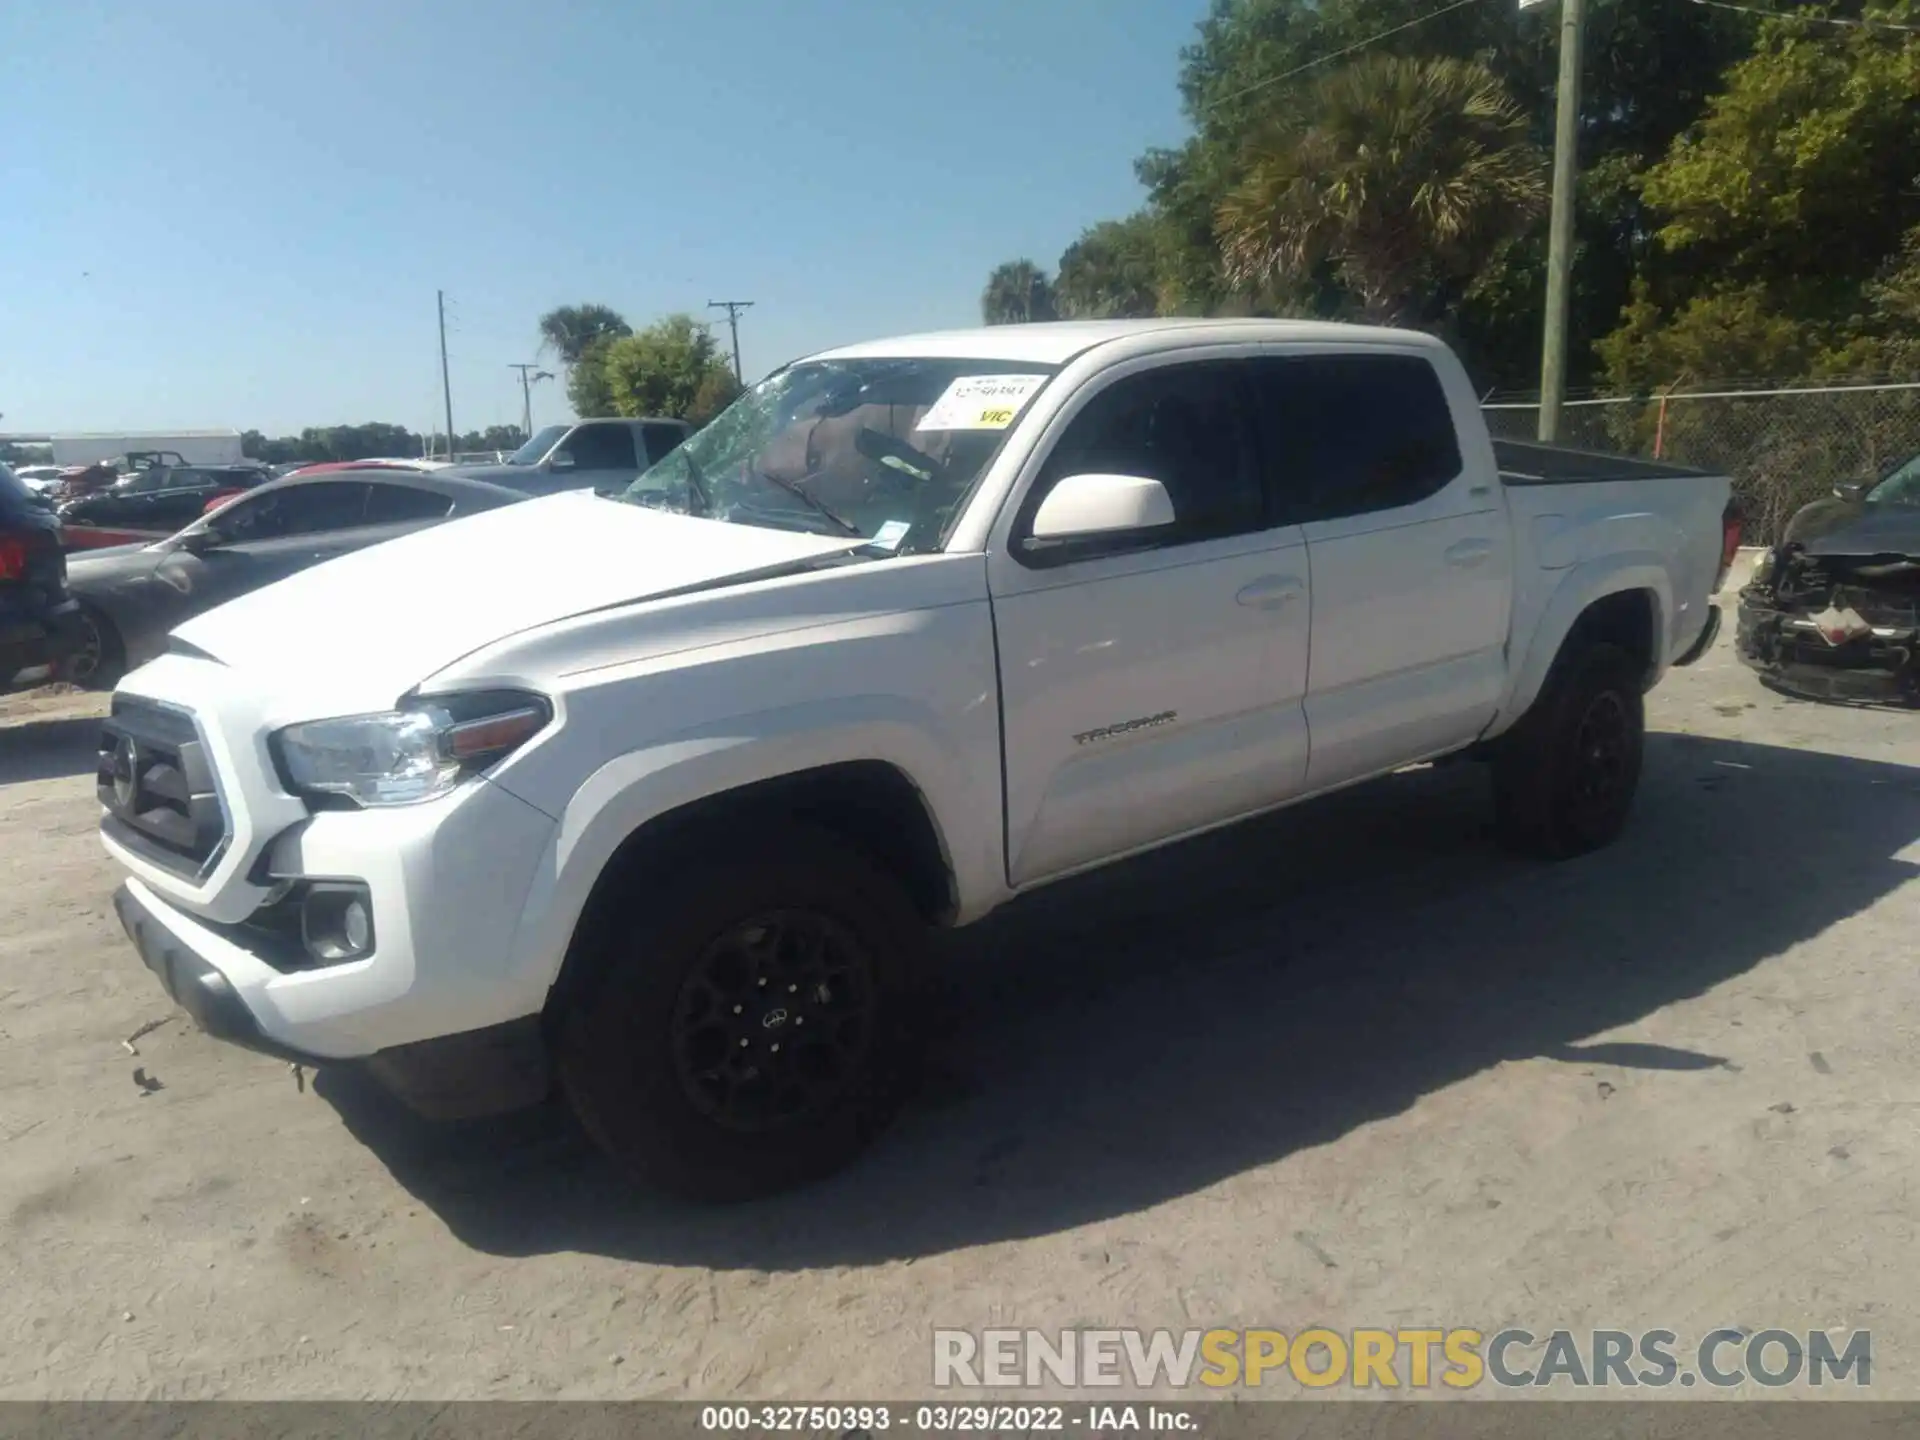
x,y
266,537
1151,690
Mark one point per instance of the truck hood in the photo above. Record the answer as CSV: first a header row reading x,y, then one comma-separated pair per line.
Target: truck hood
x,y
358,632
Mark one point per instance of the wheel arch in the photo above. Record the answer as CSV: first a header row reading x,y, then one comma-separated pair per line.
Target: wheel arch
x,y
877,805
1626,600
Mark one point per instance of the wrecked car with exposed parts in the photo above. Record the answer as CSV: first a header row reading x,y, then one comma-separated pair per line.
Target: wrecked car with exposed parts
x,y
1833,611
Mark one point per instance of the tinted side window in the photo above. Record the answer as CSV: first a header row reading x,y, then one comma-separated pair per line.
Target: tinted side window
x,y
602,447
1183,425
400,504
301,510
1352,434
661,441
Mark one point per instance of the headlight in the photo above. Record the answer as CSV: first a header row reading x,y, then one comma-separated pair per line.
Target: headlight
x,y
401,757
1762,568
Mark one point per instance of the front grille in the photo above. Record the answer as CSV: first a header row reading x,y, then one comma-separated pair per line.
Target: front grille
x,y
157,787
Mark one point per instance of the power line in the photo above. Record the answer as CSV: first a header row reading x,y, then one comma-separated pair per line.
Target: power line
x,y
1351,49
1811,19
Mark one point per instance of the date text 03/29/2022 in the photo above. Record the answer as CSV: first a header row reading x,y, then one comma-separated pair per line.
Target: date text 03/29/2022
x,y
947,1418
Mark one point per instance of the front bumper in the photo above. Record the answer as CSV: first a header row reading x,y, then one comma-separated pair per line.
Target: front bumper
x,y
1784,649
450,1077
458,960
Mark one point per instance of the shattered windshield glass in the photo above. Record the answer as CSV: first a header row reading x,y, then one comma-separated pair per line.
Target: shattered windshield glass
x,y
883,448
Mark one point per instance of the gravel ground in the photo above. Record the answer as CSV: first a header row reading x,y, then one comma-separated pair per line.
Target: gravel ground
x,y
1345,1066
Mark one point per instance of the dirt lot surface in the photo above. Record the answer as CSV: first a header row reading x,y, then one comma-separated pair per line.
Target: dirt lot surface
x,y
1346,1066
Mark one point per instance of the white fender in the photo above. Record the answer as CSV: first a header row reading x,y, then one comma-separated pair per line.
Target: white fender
x,y
646,783
1580,587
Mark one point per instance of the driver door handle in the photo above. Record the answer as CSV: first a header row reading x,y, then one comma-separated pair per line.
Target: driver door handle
x,y
1271,592
1469,553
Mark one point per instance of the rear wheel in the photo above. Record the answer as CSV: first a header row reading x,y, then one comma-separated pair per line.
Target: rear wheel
x,y
745,1032
1564,778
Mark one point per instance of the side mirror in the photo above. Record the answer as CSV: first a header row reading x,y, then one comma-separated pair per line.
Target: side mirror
x,y
560,460
1852,491
1082,506
199,542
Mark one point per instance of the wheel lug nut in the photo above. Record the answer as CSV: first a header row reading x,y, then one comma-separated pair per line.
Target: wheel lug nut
x,y
793,989
736,1009
743,1044
776,1047
763,984
799,1020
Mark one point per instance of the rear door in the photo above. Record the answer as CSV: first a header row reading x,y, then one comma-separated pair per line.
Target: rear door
x,y
1409,550
1149,690
661,438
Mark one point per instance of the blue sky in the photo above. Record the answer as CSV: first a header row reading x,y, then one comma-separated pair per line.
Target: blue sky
x,y
236,212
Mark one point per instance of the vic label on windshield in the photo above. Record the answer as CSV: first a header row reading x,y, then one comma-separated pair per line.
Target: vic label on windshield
x,y
980,402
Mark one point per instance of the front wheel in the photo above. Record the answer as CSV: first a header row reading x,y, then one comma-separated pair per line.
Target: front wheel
x,y
1565,776
100,659
746,1030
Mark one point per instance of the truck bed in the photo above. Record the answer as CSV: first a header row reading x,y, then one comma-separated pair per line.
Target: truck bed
x,y
1528,462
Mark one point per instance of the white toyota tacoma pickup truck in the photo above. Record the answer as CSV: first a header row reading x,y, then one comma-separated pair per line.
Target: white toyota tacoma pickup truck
x,y
652,799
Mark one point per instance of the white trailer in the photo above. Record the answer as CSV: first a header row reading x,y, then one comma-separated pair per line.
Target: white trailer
x,y
195,447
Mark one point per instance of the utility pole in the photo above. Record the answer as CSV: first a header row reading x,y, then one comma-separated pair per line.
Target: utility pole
x,y
1566,165
446,385
733,309
526,395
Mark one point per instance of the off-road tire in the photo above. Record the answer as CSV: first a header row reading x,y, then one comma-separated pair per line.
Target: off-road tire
x,y
616,1043
1554,794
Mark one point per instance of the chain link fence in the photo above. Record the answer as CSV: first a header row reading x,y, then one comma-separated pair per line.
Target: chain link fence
x,y
1783,448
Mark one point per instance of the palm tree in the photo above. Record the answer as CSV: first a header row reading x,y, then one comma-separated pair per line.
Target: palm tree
x,y
1017,292
1399,174
572,330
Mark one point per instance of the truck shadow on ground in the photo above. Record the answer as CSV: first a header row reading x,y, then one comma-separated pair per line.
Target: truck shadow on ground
x,y
1149,1031
49,749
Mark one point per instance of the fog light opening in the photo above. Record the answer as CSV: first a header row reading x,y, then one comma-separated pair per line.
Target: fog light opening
x,y
336,923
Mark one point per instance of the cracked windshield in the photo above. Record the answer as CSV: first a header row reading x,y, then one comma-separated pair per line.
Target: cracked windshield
x,y
883,449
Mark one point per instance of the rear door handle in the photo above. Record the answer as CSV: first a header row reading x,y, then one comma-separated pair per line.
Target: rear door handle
x,y
1469,553
1270,592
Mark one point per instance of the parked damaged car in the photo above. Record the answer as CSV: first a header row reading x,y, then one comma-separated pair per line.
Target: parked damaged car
x,y
1833,610
131,596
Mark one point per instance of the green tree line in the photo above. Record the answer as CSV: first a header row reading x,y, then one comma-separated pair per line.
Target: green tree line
x,y
375,439
672,368
1747,203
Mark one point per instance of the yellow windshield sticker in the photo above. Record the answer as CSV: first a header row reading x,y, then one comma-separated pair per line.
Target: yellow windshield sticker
x,y
980,402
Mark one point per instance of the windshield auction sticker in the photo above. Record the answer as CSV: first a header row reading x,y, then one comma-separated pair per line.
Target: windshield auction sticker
x,y
980,402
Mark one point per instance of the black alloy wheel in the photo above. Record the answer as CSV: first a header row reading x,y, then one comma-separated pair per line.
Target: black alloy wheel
x,y
775,1020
